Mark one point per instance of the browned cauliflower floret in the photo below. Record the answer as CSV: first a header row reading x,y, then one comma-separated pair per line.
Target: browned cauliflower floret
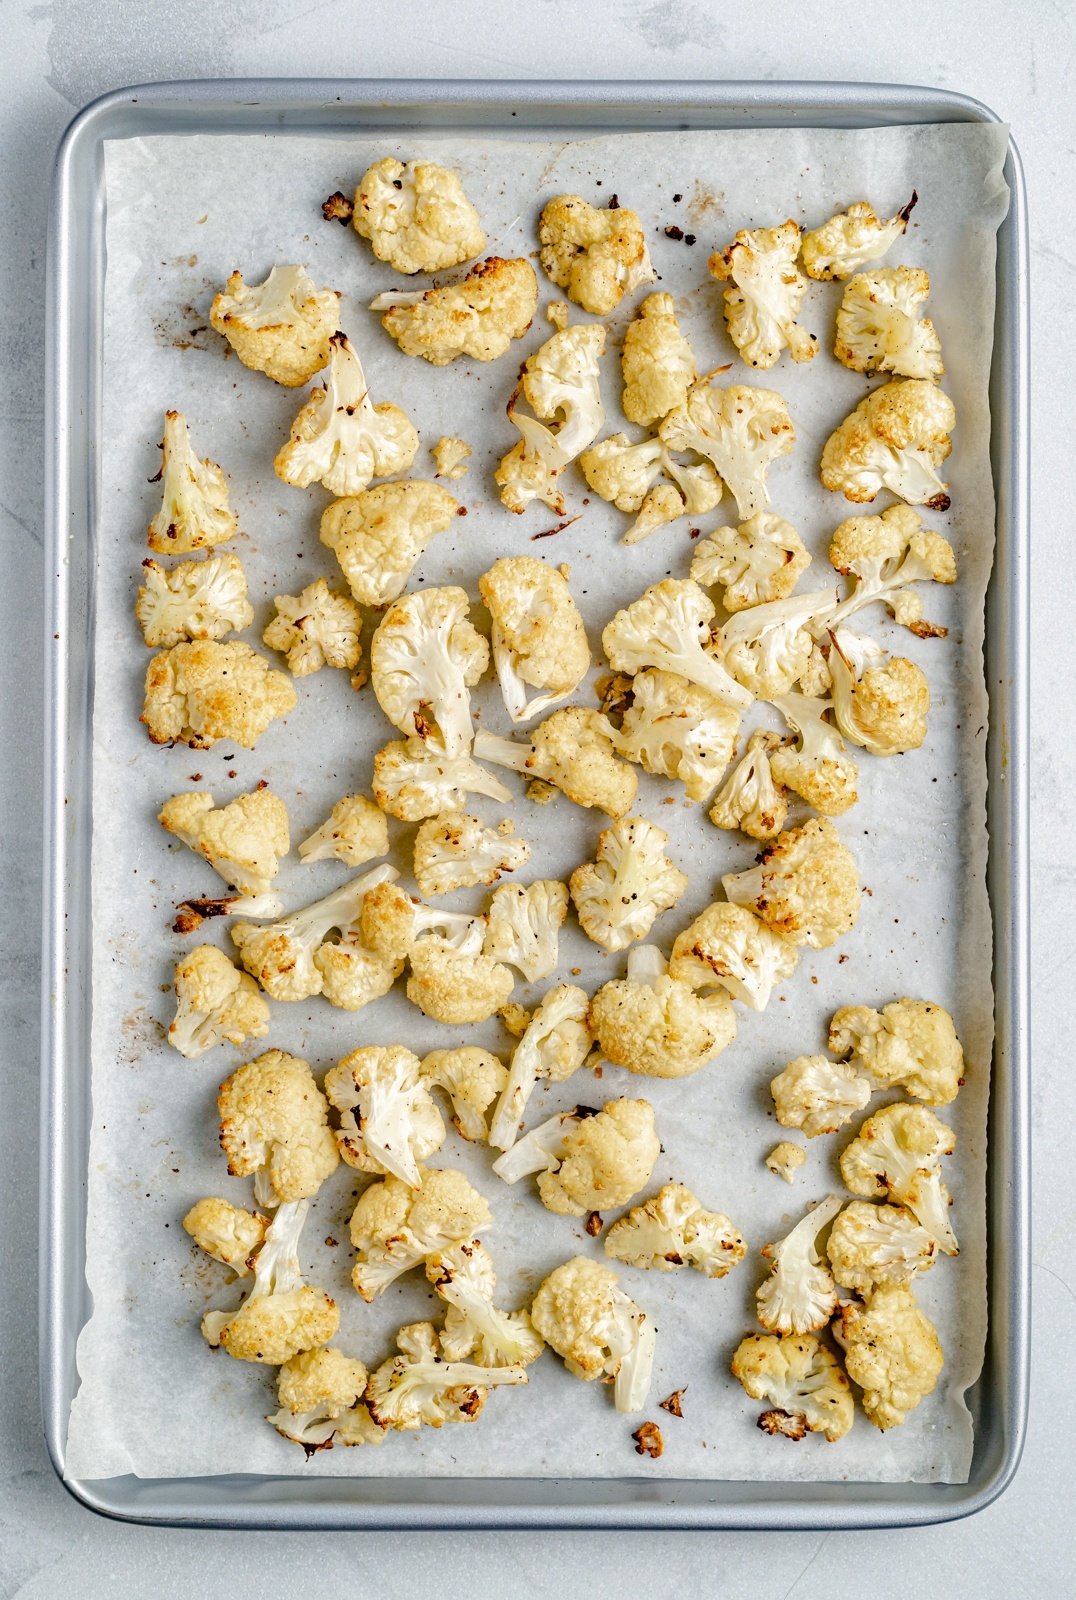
x,y
479,317
909,1044
750,799
243,840
450,456
214,1002
388,1120
672,1230
892,1351
818,1095
596,257
657,1025
619,895
785,1160
554,1044
294,958
456,983
202,692
317,628
817,767
880,705
669,627
586,1160
852,239
739,429
226,1232
193,600
728,947
896,1156
760,561
378,534
416,216
895,439
454,851
871,1245
806,886
799,1294
574,751
472,1079
539,641
657,362
879,328
355,832
765,294
274,1124
885,555
584,1315
195,512
280,327
560,380
678,730
419,1388
395,1227
281,1314
802,1380
424,657
320,1393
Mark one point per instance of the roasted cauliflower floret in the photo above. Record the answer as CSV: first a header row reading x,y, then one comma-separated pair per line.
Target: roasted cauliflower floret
x,y
678,730
280,327
395,1228
194,513
728,947
646,479
281,1313
879,328
419,1388
539,641
909,1044
274,1125
656,1025
672,1230
818,1095
320,1395
852,240
596,257
765,294
454,851
464,1277
226,1232
242,841
379,534
199,693
896,1156
416,216
669,627
803,1381
768,648
195,600
472,1079
553,1045
559,379
882,707
523,925
806,887
479,317
895,439
761,560
354,832
574,751
214,1002
656,361
450,457
583,1314
741,431
799,1294
411,781
816,768
587,1161
397,1124
885,555
391,922
288,957
750,799
892,1351
456,983
619,895
424,657
317,628
873,1245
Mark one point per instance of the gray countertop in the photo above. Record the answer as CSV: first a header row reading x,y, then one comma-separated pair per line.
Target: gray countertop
x,y
1019,60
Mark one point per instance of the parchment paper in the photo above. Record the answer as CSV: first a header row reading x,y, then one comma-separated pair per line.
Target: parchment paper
x,y
182,212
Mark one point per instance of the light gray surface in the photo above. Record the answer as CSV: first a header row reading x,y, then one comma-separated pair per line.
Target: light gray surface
x,y
59,59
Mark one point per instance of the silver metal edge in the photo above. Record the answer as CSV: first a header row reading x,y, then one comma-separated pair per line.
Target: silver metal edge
x,y
785,1506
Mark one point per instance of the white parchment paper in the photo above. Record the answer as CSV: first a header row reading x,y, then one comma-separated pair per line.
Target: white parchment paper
x,y
182,212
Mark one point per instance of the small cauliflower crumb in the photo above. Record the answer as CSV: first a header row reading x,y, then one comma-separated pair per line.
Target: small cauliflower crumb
x,y
451,456
785,1160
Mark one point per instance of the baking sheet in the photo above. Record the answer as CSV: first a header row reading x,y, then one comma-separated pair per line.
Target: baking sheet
x,y
181,214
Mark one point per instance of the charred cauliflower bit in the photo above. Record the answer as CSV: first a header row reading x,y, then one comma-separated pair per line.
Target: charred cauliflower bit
x,y
896,1156
274,1125
226,1232
785,1160
574,750
803,1381
583,1314
765,294
424,657
539,641
280,327
806,887
596,257
656,361
214,1002
397,1125
852,240
750,799
761,560
619,895
799,1294
524,924
419,1388
454,851
818,1095
892,1351
472,1079
354,832
450,457
728,947
379,534
739,430
199,693
315,629
281,1314
656,1025
672,1230
416,216
873,1245
879,328
479,317
195,513
195,600
895,439
242,841
909,1044
678,730
395,1228
587,1161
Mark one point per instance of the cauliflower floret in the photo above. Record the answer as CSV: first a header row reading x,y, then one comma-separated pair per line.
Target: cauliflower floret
x,y
892,1351
631,881
340,439
728,947
767,648
896,1156
909,1044
560,378
280,327
760,561
852,240
672,1229
319,1393
553,1045
879,328
281,1314
283,955
626,474
750,799
895,439
583,1314
818,770
274,1125
677,730
194,512
199,693
799,1294
354,832
669,627
454,851
818,1095
195,600
785,1160
395,1228
317,628
803,1381
586,1160
885,554
806,886
242,841
573,750
424,657
398,1125
226,1232
464,1277
416,216
539,640
767,290
456,983
353,976
871,1245
596,257
479,317
419,1388
450,457
657,362
411,781
523,926
740,430
391,922
379,534
472,1079
214,1002
656,1025
881,707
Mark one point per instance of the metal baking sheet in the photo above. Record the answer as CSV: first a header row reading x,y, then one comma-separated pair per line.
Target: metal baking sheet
x,y
574,110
